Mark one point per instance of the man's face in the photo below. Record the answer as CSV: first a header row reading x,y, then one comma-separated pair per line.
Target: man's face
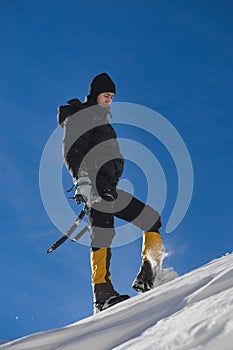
x,y
105,98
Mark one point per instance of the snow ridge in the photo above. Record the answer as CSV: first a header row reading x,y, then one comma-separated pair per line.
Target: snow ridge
x,y
195,311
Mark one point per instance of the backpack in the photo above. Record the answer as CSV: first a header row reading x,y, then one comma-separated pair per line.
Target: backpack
x,y
66,111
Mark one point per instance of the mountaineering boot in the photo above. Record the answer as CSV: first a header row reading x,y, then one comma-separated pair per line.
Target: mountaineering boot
x,y
105,296
151,262
103,290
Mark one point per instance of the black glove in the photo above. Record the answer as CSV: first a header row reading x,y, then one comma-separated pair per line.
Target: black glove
x,y
79,198
109,194
106,187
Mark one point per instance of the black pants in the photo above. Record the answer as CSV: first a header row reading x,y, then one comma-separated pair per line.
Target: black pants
x,y
126,207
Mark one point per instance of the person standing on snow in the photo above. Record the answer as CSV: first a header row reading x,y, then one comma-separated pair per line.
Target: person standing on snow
x,y
92,155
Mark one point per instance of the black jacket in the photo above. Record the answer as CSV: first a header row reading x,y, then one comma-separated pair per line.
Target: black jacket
x,y
90,142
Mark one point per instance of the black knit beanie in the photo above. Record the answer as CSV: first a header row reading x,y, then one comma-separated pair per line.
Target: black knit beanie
x,y
101,83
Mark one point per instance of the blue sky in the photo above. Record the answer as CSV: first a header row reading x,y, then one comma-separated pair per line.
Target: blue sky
x,y
173,57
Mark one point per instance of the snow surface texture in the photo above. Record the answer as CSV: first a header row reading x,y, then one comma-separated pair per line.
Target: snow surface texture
x,y
194,311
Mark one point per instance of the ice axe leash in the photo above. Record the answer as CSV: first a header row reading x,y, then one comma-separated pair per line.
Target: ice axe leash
x,y
68,233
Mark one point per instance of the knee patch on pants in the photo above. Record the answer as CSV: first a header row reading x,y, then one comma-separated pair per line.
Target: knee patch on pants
x,y
102,237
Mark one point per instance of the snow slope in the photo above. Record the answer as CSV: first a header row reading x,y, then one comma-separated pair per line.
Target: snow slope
x,y
194,311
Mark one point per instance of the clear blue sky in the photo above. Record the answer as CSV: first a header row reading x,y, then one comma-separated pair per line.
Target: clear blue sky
x,y
174,57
